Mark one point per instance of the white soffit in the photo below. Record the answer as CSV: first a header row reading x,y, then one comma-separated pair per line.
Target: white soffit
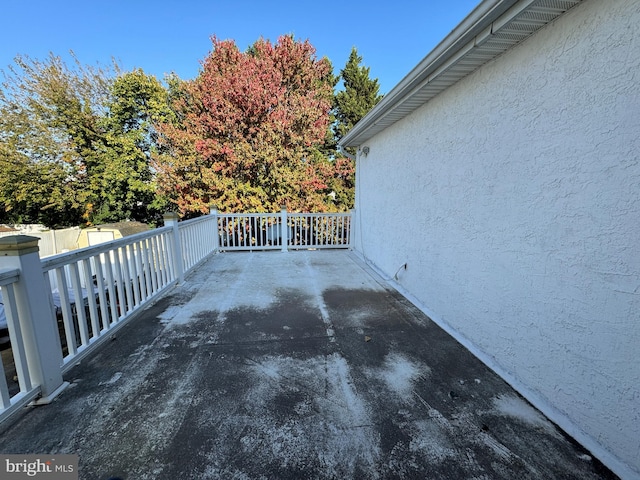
x,y
500,25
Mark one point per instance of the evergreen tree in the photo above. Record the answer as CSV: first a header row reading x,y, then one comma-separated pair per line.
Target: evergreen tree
x,y
360,95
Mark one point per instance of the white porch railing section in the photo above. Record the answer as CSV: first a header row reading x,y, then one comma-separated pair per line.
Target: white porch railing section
x,y
56,310
198,239
96,288
319,230
250,231
283,231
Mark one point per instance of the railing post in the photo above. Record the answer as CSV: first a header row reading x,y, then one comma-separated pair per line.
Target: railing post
x,y
283,228
171,220
216,231
352,229
38,325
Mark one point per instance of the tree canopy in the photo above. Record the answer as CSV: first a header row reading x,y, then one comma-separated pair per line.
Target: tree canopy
x,y
253,124
255,130
75,143
49,115
123,184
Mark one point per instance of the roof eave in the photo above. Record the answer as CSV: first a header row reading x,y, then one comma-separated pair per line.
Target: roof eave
x,y
482,36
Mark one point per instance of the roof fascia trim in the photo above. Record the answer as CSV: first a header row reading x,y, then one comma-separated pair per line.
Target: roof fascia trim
x,y
476,27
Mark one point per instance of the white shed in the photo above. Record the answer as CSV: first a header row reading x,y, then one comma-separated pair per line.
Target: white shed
x,y
109,231
504,173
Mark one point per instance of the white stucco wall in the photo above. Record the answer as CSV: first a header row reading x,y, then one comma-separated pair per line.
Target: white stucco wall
x,y
514,198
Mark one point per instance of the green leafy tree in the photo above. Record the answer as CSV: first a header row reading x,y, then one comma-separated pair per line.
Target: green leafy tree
x,y
76,143
360,94
50,115
34,191
250,128
122,184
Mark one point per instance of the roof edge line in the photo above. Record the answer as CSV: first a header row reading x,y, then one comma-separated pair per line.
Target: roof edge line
x,y
477,22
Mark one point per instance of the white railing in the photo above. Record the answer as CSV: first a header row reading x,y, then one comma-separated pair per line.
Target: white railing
x,y
250,231
58,309
283,231
319,230
13,361
198,240
96,288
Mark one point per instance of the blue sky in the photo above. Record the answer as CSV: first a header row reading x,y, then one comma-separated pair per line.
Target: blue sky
x,y
169,36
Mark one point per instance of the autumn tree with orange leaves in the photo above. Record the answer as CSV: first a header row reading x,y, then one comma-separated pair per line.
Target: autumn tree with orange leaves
x,y
248,133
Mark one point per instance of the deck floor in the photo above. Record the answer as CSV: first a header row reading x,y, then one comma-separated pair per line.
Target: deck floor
x,y
299,365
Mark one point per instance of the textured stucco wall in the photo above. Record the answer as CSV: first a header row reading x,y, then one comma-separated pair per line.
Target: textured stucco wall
x,y
514,198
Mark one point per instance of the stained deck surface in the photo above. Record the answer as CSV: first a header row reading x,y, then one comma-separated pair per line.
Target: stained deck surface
x,y
300,365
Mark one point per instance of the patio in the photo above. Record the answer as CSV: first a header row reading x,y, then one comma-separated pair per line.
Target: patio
x,y
292,365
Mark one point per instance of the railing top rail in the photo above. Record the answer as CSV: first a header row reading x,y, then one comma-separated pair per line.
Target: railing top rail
x,y
256,214
62,259
191,221
290,214
325,214
9,275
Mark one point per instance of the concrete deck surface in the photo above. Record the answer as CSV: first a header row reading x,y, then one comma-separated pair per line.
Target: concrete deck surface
x,y
300,365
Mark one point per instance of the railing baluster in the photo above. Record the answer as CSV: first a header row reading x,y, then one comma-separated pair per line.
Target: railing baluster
x,y
135,275
246,234
158,261
146,269
111,286
186,248
234,237
254,231
17,344
127,279
222,232
331,230
193,246
120,283
140,281
5,397
79,304
65,308
153,267
165,247
160,264
91,297
102,297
